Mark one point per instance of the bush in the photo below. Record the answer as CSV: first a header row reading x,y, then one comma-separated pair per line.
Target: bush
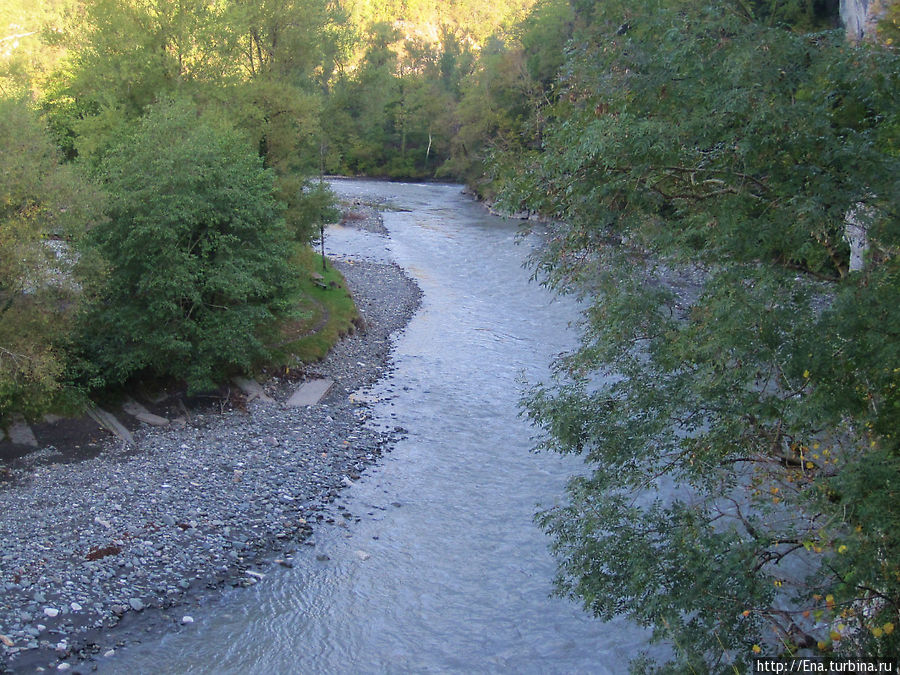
x,y
43,207
198,254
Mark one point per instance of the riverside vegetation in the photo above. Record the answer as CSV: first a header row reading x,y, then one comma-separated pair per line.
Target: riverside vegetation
x,y
700,163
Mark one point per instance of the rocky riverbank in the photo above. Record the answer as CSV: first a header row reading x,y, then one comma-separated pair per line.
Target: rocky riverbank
x,y
101,542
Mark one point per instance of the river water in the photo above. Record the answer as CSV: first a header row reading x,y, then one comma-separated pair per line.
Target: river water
x,y
445,572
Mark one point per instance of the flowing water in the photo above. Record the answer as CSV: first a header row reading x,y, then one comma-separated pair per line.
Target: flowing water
x,y
446,572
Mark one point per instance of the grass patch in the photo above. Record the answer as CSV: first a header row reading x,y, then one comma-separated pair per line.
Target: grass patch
x,y
327,313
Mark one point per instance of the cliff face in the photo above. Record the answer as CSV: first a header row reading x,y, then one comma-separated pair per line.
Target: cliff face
x,y
861,16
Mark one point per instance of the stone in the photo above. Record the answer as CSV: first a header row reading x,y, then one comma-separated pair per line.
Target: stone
x,y
136,604
75,607
140,413
20,433
109,422
187,619
252,389
51,612
310,393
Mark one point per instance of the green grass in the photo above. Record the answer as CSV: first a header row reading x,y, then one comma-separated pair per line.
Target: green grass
x,y
326,315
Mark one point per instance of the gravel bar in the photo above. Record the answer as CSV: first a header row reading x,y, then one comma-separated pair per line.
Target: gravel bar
x,y
111,540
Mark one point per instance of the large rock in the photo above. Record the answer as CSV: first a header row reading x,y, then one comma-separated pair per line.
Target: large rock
x,y
21,434
109,422
139,412
861,17
310,393
252,389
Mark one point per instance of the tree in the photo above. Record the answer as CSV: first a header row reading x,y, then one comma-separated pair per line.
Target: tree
x,y
44,209
264,65
736,389
198,253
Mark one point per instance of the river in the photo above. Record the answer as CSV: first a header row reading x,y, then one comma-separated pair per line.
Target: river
x,y
445,571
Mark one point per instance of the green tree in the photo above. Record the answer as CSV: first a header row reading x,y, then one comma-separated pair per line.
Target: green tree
x,y
28,49
44,209
264,65
198,253
735,393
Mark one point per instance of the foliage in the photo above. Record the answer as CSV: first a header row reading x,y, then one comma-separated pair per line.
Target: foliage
x,y
736,389
505,100
198,254
326,314
263,67
44,207
28,52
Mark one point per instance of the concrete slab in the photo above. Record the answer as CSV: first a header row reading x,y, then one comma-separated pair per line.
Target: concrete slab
x,y
109,422
20,433
139,412
310,393
252,389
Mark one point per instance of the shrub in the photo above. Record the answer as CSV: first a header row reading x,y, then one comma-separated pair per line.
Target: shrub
x,y
197,249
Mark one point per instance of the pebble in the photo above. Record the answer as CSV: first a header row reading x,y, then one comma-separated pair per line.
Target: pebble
x,y
133,549
187,619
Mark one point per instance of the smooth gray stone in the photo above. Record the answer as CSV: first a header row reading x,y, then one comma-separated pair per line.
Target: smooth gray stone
x,y
310,393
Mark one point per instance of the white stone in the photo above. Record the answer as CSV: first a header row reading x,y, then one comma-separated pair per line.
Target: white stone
x,y
51,612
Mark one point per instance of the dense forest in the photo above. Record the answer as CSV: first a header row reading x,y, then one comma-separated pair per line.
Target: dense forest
x,y
717,180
